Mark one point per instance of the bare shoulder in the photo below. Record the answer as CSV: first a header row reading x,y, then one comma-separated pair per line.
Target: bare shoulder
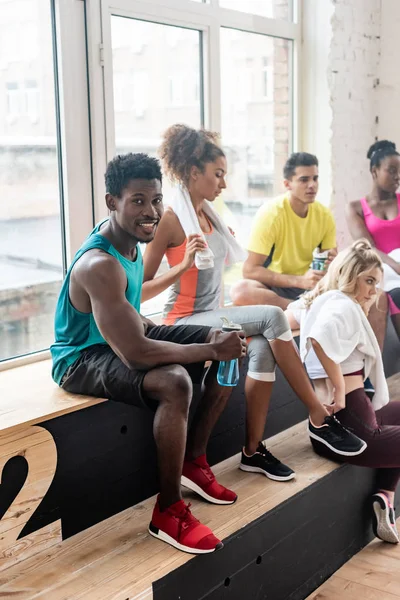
x,y
354,207
170,228
97,267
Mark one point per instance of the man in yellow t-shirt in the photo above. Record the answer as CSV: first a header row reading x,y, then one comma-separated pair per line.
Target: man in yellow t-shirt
x,y
284,234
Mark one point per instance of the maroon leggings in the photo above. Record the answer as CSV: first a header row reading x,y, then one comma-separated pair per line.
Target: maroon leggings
x,y
381,431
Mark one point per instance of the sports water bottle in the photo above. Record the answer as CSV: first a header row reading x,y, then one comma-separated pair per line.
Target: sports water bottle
x,y
228,370
319,260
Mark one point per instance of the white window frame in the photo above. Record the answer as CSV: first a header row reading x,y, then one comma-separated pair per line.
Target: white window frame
x,y
75,140
207,18
84,67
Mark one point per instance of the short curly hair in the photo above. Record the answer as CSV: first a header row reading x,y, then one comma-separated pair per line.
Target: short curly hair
x,y
183,147
124,167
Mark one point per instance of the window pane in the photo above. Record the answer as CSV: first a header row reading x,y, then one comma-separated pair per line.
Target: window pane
x,y
157,82
256,120
274,9
30,231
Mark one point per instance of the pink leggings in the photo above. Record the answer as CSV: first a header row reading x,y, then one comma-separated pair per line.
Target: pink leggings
x,y
381,431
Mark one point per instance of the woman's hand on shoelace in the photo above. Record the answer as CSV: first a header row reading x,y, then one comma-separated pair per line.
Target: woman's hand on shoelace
x,y
338,402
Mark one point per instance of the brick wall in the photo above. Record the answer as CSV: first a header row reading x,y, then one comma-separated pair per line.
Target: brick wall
x,y
341,95
353,78
389,72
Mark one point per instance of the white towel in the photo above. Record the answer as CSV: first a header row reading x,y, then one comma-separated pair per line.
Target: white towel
x,y
391,279
182,206
340,326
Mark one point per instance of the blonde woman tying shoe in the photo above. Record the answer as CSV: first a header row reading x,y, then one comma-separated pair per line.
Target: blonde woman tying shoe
x,y
340,350
197,165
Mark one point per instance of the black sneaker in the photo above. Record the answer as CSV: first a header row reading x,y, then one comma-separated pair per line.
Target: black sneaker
x,y
336,437
384,522
264,462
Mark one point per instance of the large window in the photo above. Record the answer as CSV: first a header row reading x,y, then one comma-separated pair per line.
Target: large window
x,y
166,72
274,9
157,82
255,119
81,81
30,230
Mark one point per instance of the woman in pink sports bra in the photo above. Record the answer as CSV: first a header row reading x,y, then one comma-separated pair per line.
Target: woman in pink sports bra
x,y
377,216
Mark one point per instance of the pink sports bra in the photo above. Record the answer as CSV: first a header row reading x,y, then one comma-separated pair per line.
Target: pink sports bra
x,y
386,234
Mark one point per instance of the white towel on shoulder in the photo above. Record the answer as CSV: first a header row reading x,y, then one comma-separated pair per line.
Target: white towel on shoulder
x,y
391,279
340,326
182,206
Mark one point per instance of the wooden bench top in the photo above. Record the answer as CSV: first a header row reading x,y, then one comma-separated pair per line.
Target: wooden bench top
x,y
29,396
117,559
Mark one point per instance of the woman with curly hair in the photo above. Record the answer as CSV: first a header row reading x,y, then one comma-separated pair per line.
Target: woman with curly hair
x,y
196,164
339,349
377,217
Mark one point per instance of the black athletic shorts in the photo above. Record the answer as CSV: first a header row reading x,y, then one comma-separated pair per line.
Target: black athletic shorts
x,y
288,293
101,373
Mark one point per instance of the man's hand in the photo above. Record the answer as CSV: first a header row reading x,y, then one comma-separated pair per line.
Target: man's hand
x,y
311,278
229,344
332,253
146,323
194,243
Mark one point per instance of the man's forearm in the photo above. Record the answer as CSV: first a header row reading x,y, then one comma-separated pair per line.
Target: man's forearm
x,y
154,353
272,279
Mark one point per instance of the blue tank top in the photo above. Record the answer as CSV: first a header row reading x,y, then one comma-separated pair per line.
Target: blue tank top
x,y
75,331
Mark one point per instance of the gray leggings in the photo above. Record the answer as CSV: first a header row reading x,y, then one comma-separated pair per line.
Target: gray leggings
x,y
261,324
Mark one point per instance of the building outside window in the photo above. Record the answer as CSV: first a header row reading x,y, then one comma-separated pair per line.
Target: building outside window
x,y
226,65
31,242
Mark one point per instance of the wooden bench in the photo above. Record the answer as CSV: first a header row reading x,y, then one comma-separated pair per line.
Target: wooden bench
x,y
282,540
118,559
69,462
28,398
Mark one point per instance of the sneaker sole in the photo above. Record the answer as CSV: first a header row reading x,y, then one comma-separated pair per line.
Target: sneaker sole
x,y
335,450
269,475
382,527
161,535
188,483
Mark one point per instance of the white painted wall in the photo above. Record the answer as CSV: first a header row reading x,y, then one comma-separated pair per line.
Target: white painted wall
x,y
353,76
341,98
389,72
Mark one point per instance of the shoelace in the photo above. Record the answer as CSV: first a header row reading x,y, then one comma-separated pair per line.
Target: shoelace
x,y
270,457
336,425
208,473
186,519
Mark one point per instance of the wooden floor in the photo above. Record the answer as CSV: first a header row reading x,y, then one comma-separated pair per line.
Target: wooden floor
x,y
373,574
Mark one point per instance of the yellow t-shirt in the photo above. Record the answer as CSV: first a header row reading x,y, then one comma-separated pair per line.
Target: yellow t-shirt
x,y
293,238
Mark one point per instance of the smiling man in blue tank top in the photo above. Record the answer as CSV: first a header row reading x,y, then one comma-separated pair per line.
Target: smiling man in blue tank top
x,y
105,348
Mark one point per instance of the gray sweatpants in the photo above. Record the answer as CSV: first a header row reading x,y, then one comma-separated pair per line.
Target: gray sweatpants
x,y
260,324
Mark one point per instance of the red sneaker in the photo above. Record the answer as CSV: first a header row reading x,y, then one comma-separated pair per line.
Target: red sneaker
x,y
198,477
177,526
